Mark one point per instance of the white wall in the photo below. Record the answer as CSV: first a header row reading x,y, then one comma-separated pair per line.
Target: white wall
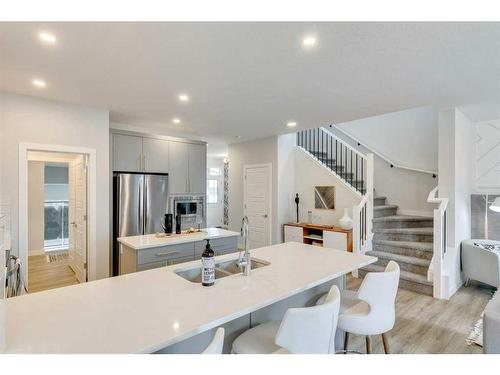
x,y
408,138
308,174
456,171
259,151
27,119
36,198
487,157
286,182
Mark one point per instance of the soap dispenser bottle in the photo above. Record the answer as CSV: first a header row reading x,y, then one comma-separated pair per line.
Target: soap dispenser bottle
x,y
208,266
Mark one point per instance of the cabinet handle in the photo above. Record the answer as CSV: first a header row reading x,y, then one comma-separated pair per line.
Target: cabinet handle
x,y
166,253
143,162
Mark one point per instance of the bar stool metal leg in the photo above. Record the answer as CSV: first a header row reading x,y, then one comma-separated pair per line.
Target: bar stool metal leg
x,y
385,341
368,345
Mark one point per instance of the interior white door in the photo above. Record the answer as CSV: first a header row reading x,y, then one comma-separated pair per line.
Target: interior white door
x,y
215,202
78,217
257,204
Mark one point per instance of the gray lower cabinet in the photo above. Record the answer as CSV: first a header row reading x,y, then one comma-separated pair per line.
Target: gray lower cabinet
x,y
140,260
220,246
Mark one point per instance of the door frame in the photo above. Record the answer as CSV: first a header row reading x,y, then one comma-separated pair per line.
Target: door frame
x,y
24,148
269,167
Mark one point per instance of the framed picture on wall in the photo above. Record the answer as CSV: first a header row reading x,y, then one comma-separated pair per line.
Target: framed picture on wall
x,y
324,197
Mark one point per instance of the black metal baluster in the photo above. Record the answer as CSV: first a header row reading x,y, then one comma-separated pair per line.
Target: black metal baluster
x,y
357,173
362,175
341,161
331,153
322,156
350,167
346,162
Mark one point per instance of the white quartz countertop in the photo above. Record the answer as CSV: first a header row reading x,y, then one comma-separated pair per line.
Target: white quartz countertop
x,y
146,311
151,240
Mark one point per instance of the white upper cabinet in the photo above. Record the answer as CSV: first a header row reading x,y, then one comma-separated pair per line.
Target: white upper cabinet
x,y
197,168
127,153
156,155
178,174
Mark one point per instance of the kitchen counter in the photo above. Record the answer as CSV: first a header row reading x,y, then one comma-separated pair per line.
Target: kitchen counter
x,y
144,312
151,240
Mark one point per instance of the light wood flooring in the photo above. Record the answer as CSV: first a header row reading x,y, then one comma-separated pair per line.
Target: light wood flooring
x,y
43,275
427,325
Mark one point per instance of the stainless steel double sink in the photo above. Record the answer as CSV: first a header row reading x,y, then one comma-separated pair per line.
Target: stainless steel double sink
x,y
222,269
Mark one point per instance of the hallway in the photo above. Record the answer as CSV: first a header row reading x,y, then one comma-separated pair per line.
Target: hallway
x,y
44,275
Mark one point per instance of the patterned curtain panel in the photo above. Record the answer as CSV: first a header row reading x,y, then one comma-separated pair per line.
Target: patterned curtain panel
x,y
226,193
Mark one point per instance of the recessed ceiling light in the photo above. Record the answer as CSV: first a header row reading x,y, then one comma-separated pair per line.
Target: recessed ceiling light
x,y
176,120
39,83
309,41
47,38
291,124
184,97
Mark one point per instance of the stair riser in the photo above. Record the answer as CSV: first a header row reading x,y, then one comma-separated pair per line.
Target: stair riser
x,y
403,237
422,254
379,201
391,211
408,285
405,266
402,224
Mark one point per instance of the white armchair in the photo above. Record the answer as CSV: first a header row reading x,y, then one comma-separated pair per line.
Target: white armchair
x,y
480,264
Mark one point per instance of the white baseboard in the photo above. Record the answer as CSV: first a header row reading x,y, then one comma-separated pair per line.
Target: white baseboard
x,y
415,213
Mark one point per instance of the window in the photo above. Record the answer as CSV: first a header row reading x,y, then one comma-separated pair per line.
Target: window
x,y
56,206
214,171
212,191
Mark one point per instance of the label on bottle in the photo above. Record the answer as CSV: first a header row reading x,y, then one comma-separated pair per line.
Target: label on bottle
x,y
208,270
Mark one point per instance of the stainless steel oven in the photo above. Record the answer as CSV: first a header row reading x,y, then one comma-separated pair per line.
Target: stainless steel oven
x,y
190,207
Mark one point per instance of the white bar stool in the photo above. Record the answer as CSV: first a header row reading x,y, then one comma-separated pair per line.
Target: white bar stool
x,y
372,309
305,330
215,346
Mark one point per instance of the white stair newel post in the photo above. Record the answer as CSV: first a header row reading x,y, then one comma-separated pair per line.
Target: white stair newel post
x,y
356,229
437,264
369,191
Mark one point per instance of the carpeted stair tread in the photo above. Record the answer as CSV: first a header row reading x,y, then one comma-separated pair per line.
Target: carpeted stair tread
x,y
385,207
377,200
406,230
402,218
400,258
404,275
424,246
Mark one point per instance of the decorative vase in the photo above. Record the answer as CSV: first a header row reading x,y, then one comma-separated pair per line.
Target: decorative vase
x,y
346,221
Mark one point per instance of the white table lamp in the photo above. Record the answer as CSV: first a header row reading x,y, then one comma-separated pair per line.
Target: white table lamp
x,y
495,206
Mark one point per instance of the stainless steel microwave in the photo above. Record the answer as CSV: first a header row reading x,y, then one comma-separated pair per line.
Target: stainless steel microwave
x,y
190,207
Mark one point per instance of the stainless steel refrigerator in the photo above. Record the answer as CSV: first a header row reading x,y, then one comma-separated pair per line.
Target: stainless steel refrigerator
x,y
140,201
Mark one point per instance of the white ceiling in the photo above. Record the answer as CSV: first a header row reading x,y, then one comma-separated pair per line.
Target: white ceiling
x,y
249,79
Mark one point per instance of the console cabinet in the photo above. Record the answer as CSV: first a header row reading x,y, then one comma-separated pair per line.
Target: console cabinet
x,y
331,237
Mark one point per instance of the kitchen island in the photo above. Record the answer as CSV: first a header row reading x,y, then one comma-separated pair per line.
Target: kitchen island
x,y
158,310
140,253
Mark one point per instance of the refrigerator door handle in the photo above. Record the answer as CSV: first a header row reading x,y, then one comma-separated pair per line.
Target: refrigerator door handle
x,y
141,207
145,200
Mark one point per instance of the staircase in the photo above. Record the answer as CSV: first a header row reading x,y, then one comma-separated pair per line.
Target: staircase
x,y
408,240
337,156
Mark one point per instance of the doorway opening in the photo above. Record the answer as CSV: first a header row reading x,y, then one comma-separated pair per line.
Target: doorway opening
x,y
57,230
